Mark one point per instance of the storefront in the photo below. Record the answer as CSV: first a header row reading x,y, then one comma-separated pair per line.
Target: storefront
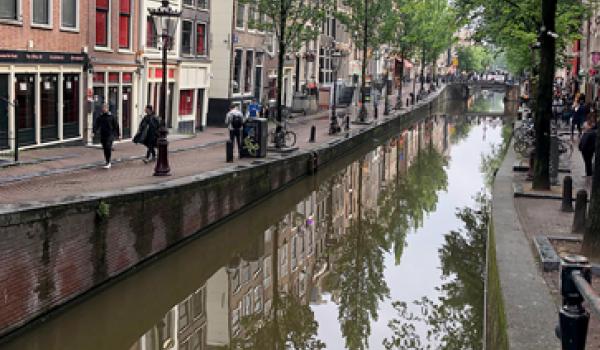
x,y
194,83
40,98
154,87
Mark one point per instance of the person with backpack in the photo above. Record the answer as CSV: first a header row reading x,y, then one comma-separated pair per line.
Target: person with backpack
x,y
108,128
148,134
235,123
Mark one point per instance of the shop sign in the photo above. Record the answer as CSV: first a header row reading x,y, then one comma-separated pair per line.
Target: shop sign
x,y
42,57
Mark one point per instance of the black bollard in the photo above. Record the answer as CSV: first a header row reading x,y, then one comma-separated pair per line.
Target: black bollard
x,y
376,112
580,216
567,195
347,122
229,151
573,319
407,102
313,134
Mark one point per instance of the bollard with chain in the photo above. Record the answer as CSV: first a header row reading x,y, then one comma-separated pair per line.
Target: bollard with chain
x,y
573,318
229,151
567,195
580,212
313,134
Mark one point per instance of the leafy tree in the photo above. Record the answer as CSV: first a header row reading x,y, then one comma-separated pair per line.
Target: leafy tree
x,y
293,22
473,58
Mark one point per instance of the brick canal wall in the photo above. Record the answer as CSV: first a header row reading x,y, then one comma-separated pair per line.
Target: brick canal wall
x,y
50,255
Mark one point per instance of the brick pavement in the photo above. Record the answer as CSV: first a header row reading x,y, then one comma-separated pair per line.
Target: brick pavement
x,y
76,170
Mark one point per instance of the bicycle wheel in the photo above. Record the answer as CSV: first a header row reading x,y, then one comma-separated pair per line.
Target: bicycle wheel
x,y
290,138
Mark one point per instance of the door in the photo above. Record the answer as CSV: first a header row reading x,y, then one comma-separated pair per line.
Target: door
x,y
99,100
25,108
257,82
170,93
113,101
4,108
126,104
71,95
49,106
199,109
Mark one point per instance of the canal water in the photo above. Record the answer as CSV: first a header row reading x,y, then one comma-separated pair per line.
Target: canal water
x,y
383,249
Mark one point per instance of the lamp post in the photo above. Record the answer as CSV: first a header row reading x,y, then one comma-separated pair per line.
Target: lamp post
x,y
165,21
336,60
386,65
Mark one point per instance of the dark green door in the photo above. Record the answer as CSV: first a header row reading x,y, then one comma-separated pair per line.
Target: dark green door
x,y
4,108
49,106
126,104
71,99
25,108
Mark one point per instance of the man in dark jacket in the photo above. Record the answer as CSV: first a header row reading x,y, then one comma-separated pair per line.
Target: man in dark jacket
x,y
148,133
587,146
108,127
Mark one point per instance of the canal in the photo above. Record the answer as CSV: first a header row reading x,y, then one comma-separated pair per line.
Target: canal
x,y
383,249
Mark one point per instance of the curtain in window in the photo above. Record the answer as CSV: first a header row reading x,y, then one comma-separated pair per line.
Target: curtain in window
x,y
8,9
69,13
200,40
41,12
124,20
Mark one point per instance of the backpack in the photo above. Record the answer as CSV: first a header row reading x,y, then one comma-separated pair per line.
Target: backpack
x,y
237,121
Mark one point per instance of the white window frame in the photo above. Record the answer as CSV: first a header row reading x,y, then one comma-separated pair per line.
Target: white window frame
x,y
77,23
192,37
50,15
18,15
108,46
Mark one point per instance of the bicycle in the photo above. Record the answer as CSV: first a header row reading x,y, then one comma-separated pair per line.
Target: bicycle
x,y
287,137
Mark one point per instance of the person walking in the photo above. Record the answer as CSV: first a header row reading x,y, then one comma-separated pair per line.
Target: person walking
x,y
254,109
235,122
580,112
148,133
587,144
108,128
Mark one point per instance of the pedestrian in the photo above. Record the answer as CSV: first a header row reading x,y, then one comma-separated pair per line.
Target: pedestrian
x,y
108,128
587,144
580,112
254,109
235,122
148,133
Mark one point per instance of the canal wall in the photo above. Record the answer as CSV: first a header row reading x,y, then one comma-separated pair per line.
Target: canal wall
x,y
51,254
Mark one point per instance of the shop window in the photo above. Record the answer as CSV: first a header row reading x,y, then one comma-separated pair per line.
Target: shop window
x,y
9,9
201,39
41,12
237,71
99,77
68,14
71,94
151,36
102,22
239,18
113,78
186,38
186,102
127,78
124,23
248,71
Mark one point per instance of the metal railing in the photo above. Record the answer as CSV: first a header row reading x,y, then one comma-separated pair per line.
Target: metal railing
x,y
575,288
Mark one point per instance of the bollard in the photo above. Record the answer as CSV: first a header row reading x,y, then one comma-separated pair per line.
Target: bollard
x,y
313,134
347,122
407,102
376,112
580,216
229,151
573,319
567,196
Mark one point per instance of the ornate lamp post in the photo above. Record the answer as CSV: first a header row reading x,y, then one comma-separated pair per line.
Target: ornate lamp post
x,y
386,108
165,21
336,61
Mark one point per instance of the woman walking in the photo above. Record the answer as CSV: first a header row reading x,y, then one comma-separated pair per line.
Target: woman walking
x,y
587,144
148,134
108,127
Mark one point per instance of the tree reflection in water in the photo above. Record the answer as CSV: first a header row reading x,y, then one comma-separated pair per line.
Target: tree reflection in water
x,y
454,320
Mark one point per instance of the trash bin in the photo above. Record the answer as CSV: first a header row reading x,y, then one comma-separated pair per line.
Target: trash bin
x,y
254,138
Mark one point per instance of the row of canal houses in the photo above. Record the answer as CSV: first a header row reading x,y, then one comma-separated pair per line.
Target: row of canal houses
x,y
60,60
307,240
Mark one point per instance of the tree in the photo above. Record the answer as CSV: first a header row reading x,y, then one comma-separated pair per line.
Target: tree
x,y
473,58
368,23
591,239
403,38
293,23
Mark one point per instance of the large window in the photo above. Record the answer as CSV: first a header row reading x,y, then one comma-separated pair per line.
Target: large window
x,y
124,24
186,37
202,4
151,36
9,9
237,71
102,22
68,15
239,18
201,39
251,17
186,102
248,71
41,12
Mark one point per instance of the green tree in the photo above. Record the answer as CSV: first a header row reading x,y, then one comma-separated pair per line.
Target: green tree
x,y
473,58
293,22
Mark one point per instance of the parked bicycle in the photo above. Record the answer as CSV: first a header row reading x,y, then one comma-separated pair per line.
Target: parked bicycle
x,y
524,143
287,138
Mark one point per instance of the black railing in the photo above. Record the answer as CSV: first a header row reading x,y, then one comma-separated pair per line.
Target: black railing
x,y
575,288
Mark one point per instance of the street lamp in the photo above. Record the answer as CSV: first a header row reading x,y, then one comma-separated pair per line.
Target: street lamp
x,y
386,65
336,61
165,21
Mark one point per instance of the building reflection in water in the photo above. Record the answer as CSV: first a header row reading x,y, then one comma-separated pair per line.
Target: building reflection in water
x,y
332,242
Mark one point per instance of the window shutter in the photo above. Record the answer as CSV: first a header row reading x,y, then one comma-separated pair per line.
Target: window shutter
x,y
200,39
101,18
124,31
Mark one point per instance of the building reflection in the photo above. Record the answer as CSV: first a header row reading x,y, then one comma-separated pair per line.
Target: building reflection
x,y
303,253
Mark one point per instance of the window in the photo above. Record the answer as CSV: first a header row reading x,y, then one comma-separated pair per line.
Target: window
x,y
151,36
124,23
251,17
186,38
102,19
198,303
201,39
41,12
188,2
68,15
184,314
202,4
186,102
249,70
237,71
239,18
9,9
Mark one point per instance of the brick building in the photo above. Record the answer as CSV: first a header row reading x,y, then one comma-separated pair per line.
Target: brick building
x,y
43,60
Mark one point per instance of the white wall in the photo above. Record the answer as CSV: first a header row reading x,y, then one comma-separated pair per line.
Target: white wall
x,y
221,20
217,309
